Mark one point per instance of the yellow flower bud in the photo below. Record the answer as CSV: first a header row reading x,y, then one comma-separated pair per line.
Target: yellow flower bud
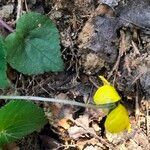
x,y
117,120
106,94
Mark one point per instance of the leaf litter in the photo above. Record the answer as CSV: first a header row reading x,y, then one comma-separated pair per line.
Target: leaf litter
x,y
103,32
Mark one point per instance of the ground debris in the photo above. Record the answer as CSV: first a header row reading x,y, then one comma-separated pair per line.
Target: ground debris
x,y
100,31
6,11
132,12
99,34
94,35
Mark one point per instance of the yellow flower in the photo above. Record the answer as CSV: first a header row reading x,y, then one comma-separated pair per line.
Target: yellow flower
x,y
117,120
106,94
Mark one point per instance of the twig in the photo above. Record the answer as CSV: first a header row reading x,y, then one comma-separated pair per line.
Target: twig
x,y
3,23
34,98
138,77
127,65
53,100
146,28
137,111
147,119
122,50
115,68
91,80
135,48
19,9
26,6
92,133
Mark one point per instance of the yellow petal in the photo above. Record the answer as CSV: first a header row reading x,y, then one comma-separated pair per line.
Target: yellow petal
x,y
105,82
106,94
117,120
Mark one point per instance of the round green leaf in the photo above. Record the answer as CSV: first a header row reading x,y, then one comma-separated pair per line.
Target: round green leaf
x,y
34,47
18,119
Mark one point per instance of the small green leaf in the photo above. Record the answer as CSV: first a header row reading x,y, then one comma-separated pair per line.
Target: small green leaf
x,y
3,65
18,119
34,47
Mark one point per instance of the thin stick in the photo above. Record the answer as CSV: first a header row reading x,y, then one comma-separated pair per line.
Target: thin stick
x,y
19,9
34,98
146,28
92,132
137,111
3,23
122,50
135,48
138,77
91,80
26,6
147,118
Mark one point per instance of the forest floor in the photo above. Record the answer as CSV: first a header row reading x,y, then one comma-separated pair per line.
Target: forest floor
x,y
98,37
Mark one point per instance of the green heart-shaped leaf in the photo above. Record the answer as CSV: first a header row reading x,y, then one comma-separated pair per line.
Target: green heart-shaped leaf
x,y
34,47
